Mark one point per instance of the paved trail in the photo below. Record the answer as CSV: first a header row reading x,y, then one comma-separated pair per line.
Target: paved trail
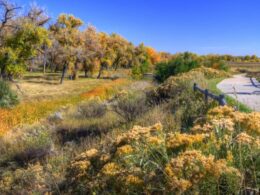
x,y
242,89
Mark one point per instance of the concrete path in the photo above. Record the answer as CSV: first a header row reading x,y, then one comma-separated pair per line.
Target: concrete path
x,y
242,89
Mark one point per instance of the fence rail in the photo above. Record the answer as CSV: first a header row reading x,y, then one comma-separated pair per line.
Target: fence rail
x,y
219,98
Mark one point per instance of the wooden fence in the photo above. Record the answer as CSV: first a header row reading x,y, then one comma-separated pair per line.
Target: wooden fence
x,y
219,98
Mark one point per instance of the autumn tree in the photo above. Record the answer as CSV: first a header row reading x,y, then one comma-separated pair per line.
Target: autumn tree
x,y
153,56
91,48
8,13
165,57
66,32
39,17
107,54
123,51
140,62
20,40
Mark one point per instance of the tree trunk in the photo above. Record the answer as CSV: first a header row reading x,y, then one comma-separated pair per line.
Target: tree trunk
x,y
44,59
64,70
116,63
75,72
3,72
86,73
56,69
74,75
44,66
100,72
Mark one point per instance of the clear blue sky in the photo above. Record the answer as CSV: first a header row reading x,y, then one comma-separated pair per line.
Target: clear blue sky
x,y
201,26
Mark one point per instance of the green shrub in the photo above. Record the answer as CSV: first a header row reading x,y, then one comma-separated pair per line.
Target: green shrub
x,y
216,64
184,104
174,86
139,71
7,97
92,109
130,106
183,63
187,107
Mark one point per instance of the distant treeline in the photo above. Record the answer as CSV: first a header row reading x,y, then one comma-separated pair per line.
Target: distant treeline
x,y
31,42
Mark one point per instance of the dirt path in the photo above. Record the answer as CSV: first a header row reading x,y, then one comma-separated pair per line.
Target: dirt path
x,y
242,89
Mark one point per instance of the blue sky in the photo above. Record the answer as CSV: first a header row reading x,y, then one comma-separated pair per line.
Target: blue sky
x,y
201,26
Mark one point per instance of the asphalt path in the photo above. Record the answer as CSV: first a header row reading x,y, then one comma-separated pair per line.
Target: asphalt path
x,y
243,89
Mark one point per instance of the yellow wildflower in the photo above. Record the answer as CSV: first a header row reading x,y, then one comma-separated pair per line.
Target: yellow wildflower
x,y
92,153
157,127
105,157
206,128
229,156
83,165
124,150
176,140
88,154
154,140
223,123
133,180
111,169
137,133
244,138
199,166
221,111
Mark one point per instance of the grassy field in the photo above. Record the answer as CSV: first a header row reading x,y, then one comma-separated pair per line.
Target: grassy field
x,y
40,99
38,87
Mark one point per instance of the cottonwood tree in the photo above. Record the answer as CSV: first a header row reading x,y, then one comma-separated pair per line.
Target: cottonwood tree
x,y
19,46
66,32
20,41
8,13
141,61
107,54
39,17
115,52
91,49
123,51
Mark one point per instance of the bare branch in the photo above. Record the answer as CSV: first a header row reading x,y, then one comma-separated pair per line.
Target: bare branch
x,y
38,15
8,13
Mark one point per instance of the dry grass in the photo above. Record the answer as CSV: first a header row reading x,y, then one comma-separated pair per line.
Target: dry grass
x,y
29,112
40,88
238,67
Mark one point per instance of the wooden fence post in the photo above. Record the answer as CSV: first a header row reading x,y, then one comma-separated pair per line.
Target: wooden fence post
x,y
222,100
195,86
206,95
